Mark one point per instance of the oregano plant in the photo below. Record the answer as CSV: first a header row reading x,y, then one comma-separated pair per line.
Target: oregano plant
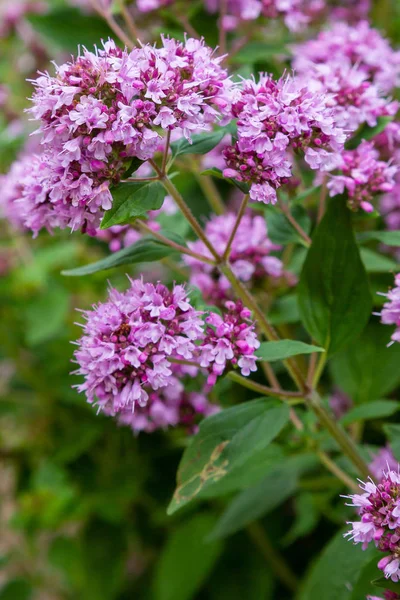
x,y
246,217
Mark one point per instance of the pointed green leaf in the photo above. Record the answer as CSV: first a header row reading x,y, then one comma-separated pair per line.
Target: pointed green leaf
x,y
334,297
145,250
186,560
201,143
132,200
280,230
214,172
224,443
390,238
270,351
371,410
387,584
367,133
377,263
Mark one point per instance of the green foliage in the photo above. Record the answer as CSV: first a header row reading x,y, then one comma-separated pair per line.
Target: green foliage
x,y
186,560
337,571
144,250
271,351
132,200
226,441
334,296
280,230
368,133
368,369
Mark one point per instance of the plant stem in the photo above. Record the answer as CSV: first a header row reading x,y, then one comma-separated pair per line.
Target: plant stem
x,y
166,148
313,401
263,389
239,217
286,211
208,188
273,557
195,225
270,375
322,200
146,229
129,21
112,23
337,471
311,397
319,369
222,32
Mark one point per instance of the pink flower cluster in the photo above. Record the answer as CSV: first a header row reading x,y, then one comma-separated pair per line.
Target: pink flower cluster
x,y
363,176
387,595
390,314
355,99
361,45
230,340
171,406
275,117
130,343
250,256
107,107
379,510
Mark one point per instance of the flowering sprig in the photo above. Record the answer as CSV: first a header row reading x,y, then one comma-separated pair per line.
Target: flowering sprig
x,y
274,119
390,314
379,509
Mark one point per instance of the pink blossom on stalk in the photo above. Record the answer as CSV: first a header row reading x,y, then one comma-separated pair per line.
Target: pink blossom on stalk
x,y
360,44
390,314
273,118
355,99
105,108
149,5
127,343
230,340
379,509
363,176
250,257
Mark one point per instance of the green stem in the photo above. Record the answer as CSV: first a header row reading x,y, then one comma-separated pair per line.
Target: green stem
x,y
264,390
311,397
195,225
286,211
273,557
314,403
239,217
337,471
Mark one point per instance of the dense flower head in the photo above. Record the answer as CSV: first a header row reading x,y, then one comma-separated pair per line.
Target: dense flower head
x,y
129,340
230,342
360,44
273,118
107,107
355,99
350,10
171,406
250,256
363,176
390,314
379,510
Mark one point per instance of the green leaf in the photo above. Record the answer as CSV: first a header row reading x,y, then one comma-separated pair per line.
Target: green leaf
x,y
16,589
186,561
306,518
334,296
256,501
337,570
280,230
132,200
368,369
392,431
390,238
271,351
285,310
46,316
201,143
371,410
249,473
68,28
254,52
144,250
214,172
387,584
367,133
376,263
224,443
